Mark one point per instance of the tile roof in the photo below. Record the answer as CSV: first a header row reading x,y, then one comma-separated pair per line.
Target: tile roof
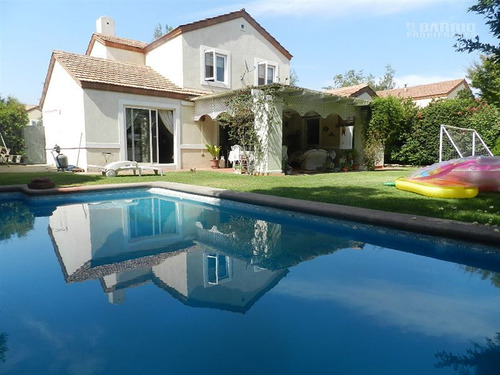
x,y
121,41
30,107
214,21
112,75
433,90
350,91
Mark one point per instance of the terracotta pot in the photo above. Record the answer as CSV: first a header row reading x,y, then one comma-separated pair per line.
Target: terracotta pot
x,y
214,163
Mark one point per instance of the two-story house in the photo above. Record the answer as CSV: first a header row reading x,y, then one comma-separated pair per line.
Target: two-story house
x,y
158,102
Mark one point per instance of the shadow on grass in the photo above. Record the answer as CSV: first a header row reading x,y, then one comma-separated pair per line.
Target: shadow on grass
x,y
482,209
59,178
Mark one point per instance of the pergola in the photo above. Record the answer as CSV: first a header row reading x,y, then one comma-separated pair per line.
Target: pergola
x,y
288,101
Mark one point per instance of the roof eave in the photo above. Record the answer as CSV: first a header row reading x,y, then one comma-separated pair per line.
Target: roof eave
x,y
136,90
214,21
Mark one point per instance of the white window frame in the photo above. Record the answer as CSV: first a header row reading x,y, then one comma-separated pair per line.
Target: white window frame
x,y
267,65
217,281
213,81
170,105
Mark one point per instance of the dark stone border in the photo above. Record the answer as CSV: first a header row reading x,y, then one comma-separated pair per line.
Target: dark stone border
x,y
457,230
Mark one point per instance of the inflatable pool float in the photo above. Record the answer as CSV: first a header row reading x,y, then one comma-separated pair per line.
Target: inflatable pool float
x,y
457,178
438,188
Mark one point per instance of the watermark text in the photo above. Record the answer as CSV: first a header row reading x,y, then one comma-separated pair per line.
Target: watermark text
x,y
439,29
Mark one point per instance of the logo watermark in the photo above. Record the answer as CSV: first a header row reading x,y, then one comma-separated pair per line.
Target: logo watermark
x,y
439,29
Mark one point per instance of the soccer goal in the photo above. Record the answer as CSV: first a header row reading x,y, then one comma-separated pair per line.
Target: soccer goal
x,y
457,143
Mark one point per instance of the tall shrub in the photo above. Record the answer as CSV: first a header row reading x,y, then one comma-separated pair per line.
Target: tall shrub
x,y
391,118
421,146
485,120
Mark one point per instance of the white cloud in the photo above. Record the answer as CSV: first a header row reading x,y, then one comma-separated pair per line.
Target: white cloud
x,y
331,8
428,313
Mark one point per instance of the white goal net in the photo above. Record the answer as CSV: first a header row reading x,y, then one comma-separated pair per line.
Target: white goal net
x,y
457,143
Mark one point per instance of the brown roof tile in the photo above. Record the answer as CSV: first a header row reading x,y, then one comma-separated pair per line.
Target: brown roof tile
x,y
433,90
116,42
112,75
350,91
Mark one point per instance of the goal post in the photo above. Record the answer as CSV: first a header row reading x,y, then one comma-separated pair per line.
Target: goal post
x,y
455,142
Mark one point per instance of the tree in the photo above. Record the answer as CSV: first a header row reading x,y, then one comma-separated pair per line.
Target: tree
x,y
491,11
158,31
294,78
352,78
13,119
485,76
17,220
482,360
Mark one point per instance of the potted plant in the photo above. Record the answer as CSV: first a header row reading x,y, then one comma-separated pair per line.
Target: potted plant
x,y
354,160
214,151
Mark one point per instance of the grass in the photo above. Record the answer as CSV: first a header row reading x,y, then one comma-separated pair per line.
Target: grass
x,y
360,189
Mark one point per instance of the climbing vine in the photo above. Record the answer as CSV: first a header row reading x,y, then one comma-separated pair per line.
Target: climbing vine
x,y
251,119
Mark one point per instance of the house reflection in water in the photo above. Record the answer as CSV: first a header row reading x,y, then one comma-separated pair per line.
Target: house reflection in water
x,y
201,256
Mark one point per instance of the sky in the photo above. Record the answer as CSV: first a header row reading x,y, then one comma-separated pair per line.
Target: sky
x,y
325,37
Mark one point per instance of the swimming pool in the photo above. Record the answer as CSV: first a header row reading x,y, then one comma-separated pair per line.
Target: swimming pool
x,y
161,282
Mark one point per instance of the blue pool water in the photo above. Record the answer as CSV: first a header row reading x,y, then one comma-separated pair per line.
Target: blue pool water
x,y
146,283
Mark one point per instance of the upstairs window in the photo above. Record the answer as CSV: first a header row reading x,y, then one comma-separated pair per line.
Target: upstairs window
x,y
215,67
266,73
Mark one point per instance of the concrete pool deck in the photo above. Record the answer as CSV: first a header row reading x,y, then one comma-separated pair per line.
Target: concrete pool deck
x,y
469,232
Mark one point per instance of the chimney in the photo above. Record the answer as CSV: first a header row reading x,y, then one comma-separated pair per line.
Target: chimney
x,y
105,25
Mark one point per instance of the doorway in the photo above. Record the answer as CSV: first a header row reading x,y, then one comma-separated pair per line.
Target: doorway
x,y
150,135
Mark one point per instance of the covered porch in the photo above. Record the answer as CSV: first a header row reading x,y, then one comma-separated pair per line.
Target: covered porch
x,y
305,128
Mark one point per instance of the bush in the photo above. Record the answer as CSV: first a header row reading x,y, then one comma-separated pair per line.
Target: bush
x,y
13,119
421,143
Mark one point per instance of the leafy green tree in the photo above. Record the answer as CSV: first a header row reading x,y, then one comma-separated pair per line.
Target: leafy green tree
x,y
485,76
294,78
490,9
352,78
16,219
158,31
387,81
482,360
13,119
485,119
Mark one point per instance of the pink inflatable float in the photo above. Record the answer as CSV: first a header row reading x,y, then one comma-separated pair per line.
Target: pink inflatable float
x,y
457,178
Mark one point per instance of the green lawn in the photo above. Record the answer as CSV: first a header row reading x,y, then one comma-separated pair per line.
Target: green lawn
x,y
360,189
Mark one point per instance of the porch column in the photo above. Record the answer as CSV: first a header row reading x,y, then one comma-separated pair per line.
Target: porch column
x,y
268,124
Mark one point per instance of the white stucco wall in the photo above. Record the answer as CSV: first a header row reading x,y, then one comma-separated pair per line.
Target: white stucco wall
x,y
100,50
63,116
455,92
365,96
62,223
105,123
243,46
125,56
168,60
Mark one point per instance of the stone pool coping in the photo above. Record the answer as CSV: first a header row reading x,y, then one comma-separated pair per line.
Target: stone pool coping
x,y
458,230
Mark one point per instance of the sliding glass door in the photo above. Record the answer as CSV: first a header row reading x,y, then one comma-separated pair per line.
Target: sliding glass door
x,y
150,135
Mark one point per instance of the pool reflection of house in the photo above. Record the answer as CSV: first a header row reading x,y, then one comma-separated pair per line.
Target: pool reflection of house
x,y
130,243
